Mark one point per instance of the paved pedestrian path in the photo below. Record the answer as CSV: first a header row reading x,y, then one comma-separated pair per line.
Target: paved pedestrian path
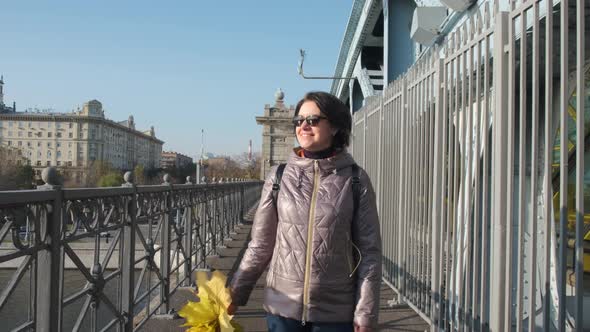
x,y
252,316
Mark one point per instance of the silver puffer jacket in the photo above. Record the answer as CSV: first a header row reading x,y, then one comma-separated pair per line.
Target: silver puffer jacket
x,y
325,265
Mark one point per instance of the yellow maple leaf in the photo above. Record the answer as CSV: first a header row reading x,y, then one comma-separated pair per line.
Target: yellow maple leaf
x,y
210,313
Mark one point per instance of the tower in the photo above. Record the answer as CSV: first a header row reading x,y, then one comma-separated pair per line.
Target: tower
x,y
278,136
2,90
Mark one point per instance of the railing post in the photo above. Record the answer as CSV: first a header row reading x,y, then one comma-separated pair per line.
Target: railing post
x,y
128,246
502,171
188,238
49,279
165,252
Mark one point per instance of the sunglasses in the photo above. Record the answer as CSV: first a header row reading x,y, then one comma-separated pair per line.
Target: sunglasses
x,y
311,120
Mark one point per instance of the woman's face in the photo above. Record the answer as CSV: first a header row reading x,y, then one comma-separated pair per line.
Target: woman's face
x,y
313,138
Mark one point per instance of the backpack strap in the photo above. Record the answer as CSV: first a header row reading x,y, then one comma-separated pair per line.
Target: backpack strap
x,y
276,186
356,187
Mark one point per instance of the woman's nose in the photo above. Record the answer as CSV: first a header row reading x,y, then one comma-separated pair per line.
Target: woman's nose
x,y
305,126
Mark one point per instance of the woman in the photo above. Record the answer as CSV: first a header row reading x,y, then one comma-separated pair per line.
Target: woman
x,y
325,263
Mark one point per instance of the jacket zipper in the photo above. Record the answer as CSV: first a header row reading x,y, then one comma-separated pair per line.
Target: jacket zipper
x,y
316,180
349,252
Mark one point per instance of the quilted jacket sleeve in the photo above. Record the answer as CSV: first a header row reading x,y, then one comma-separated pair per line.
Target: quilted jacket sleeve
x,y
260,248
367,237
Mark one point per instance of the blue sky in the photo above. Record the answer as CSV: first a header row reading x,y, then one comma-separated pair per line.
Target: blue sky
x,y
177,65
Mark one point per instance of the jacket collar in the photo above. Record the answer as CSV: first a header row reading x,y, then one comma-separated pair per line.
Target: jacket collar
x,y
341,160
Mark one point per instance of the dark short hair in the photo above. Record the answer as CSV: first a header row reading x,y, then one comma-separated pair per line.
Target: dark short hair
x,y
337,113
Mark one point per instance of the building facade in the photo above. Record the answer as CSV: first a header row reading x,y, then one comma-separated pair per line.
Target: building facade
x,y
278,135
75,140
174,160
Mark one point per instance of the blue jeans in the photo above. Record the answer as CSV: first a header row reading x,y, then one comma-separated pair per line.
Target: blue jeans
x,y
282,324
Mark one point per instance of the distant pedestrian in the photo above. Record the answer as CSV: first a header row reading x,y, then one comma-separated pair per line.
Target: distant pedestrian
x,y
320,235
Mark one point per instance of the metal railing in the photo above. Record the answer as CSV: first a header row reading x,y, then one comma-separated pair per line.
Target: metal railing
x,y
466,157
108,258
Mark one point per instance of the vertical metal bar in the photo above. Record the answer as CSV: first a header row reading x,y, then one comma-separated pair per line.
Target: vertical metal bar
x,y
451,92
548,161
477,225
456,190
580,166
188,239
128,263
439,149
402,273
420,167
50,269
502,172
165,254
563,163
510,215
486,193
521,170
534,173
462,184
471,176
428,191
411,193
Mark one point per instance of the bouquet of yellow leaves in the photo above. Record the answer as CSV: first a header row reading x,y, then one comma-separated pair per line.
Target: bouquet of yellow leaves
x,y
210,313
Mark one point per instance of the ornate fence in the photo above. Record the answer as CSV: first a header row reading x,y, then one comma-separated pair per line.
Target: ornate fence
x,y
108,258
466,156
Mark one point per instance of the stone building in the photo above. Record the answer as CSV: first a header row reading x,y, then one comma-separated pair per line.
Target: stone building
x,y
172,159
74,140
278,134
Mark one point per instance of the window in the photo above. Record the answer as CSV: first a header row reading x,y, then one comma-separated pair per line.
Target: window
x,y
20,143
59,154
69,154
38,162
48,124
58,144
20,134
58,125
71,125
38,144
48,163
20,124
59,163
9,133
71,135
28,144
69,163
30,124
10,123
48,154
39,154
70,145
49,144
30,134
58,134
48,134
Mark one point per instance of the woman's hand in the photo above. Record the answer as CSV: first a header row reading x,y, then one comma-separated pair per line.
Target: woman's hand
x,y
361,328
231,309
